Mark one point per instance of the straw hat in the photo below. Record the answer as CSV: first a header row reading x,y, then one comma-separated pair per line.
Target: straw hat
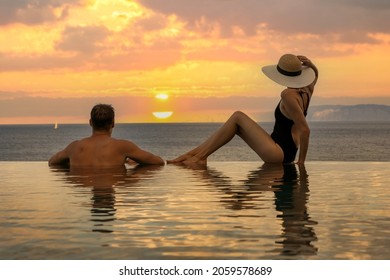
x,y
289,72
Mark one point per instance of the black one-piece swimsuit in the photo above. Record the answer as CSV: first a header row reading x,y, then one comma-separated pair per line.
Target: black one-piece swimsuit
x,y
282,132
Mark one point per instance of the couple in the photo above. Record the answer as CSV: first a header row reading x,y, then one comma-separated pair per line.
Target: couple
x,y
291,130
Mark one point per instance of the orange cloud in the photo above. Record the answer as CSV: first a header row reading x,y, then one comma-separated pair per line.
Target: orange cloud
x,y
113,48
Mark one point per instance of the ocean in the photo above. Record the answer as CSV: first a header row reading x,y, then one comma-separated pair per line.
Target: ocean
x,y
329,141
334,207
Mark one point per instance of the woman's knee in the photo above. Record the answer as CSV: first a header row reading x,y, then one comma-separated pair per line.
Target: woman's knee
x,y
239,115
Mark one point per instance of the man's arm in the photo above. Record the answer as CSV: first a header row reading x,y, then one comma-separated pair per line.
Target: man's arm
x,y
140,156
61,157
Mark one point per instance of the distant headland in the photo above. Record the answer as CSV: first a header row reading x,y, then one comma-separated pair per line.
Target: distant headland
x,y
362,112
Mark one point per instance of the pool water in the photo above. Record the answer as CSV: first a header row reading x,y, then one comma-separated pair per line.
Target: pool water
x,y
227,210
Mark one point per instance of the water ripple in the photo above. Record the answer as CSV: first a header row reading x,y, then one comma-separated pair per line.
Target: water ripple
x,y
222,211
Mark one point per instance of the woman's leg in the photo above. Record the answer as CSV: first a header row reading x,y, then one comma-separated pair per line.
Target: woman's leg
x,y
239,123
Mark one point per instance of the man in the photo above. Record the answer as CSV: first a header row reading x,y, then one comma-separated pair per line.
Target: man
x,y
100,150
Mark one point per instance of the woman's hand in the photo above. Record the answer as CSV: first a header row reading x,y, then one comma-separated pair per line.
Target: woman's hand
x,y
305,61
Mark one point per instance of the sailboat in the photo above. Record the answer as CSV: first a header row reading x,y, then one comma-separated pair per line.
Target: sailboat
x,y
56,125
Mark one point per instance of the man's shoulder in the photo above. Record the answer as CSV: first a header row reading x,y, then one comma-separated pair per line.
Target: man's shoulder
x,y
123,145
74,143
122,142
82,141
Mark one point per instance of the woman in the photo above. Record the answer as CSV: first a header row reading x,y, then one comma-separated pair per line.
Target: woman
x,y
291,130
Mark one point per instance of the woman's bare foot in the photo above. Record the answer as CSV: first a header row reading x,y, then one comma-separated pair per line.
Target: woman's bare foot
x,y
195,160
180,159
189,158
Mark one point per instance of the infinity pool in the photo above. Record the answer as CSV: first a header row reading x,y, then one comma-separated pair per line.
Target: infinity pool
x,y
229,210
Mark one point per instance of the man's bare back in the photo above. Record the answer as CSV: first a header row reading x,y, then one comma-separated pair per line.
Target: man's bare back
x,y
102,151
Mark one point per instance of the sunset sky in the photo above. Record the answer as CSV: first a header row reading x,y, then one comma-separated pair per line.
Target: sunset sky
x,y
197,60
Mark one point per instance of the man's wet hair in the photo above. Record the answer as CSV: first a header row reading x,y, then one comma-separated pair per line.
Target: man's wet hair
x,y
102,117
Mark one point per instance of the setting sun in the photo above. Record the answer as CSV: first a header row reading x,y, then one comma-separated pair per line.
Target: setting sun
x,y
162,115
162,109
162,96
